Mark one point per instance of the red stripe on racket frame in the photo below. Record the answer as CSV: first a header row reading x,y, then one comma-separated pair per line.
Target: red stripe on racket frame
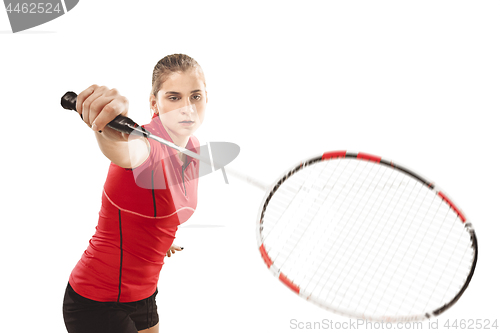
x,y
333,154
289,283
452,205
342,154
265,256
368,157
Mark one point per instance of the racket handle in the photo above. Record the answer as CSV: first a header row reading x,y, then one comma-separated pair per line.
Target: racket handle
x,y
120,123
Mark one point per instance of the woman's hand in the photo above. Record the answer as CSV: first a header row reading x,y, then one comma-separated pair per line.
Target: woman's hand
x,y
172,250
98,105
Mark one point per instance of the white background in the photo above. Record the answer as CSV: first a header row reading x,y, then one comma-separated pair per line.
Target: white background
x,y
413,81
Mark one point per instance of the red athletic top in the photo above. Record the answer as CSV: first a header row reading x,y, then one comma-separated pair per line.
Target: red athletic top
x,y
141,210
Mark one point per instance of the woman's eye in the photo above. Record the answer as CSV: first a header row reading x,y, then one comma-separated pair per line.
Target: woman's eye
x,y
197,97
173,98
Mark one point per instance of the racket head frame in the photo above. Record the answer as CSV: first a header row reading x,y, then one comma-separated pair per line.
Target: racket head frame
x,y
271,190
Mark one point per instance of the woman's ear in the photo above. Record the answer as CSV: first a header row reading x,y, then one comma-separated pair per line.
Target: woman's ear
x,y
152,103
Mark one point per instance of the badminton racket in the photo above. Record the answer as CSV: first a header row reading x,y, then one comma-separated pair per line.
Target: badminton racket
x,y
359,235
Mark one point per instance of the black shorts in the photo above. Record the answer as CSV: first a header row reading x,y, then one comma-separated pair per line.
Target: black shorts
x,y
83,315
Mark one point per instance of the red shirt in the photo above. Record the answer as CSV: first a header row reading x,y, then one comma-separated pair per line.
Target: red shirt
x,y
141,210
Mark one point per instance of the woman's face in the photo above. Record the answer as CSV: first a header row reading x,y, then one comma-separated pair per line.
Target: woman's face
x,y
181,104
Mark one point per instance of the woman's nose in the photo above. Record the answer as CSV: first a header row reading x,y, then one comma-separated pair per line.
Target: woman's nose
x,y
188,109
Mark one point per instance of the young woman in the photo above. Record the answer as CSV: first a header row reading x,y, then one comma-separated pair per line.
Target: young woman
x,y
150,189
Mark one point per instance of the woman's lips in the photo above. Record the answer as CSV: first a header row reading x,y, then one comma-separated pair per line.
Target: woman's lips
x,y
187,122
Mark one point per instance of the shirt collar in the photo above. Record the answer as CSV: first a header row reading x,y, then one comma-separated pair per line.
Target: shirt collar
x,y
157,124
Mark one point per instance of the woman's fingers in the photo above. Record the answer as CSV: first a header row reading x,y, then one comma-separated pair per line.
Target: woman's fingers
x,y
98,105
174,248
177,248
106,109
82,97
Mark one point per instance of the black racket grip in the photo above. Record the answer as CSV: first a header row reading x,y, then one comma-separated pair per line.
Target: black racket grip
x,y
68,101
120,123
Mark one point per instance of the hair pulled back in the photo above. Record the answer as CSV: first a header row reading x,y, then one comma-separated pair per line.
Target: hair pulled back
x,y
171,64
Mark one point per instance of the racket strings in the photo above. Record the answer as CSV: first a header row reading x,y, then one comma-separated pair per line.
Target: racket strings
x,y
365,238
409,273
317,231
302,223
427,255
382,230
353,223
310,213
373,251
281,209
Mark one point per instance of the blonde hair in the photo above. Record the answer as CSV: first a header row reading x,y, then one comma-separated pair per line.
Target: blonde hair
x,y
171,64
